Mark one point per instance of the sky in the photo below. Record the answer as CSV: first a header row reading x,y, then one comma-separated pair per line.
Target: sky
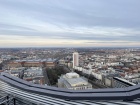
x,y
69,23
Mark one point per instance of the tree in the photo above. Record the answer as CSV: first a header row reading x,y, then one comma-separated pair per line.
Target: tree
x,y
54,74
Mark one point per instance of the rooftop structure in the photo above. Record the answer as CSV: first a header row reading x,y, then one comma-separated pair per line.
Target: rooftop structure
x,y
24,93
120,82
72,75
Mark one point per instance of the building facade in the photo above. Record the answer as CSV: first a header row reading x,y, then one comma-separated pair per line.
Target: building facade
x,y
75,59
50,63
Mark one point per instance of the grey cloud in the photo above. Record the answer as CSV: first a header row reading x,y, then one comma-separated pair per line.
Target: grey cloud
x,y
71,14
14,27
70,36
88,13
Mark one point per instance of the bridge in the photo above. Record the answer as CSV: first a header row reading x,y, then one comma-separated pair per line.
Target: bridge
x,y
20,91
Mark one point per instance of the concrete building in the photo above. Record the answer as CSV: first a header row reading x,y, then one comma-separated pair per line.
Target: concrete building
x,y
30,74
62,61
73,81
34,75
16,71
75,59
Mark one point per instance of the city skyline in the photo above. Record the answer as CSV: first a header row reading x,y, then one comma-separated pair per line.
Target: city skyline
x,y
67,23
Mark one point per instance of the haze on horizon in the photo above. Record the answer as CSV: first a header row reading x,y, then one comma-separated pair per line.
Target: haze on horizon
x,y
68,23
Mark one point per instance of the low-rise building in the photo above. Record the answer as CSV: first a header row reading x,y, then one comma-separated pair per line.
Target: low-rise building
x,y
34,75
50,63
73,81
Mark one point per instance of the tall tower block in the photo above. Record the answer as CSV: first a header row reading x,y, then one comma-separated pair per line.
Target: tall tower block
x,y
75,59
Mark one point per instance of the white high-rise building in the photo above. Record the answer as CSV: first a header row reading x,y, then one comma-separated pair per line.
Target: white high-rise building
x,y
75,59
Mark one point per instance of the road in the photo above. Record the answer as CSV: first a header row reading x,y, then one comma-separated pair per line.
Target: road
x,y
46,79
96,85
66,68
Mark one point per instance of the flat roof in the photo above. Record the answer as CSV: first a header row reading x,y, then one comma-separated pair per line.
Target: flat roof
x,y
77,81
72,75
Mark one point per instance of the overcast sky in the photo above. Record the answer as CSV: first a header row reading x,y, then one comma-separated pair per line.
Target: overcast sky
x,y
69,23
